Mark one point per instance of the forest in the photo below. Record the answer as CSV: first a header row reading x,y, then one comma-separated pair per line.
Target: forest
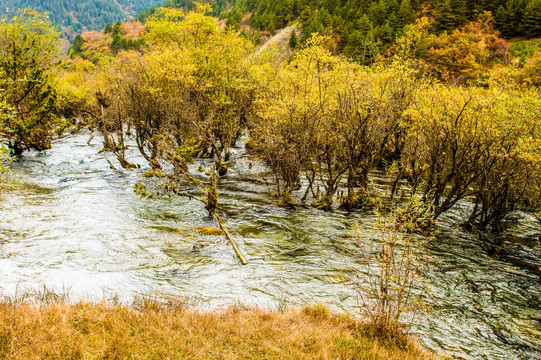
x,y
362,24
75,16
380,22
419,110
320,117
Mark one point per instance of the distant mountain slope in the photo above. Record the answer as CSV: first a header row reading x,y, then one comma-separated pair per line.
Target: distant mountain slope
x,y
356,22
218,6
358,25
75,16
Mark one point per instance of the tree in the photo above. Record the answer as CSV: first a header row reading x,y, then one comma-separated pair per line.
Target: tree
x,y
508,18
531,23
460,12
77,46
327,118
444,17
187,100
189,97
466,52
405,14
108,29
117,29
293,133
29,47
474,143
293,39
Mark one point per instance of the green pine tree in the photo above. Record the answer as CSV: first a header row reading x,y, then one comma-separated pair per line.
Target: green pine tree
x,y
27,94
293,42
77,47
444,17
405,14
531,22
386,33
460,12
364,25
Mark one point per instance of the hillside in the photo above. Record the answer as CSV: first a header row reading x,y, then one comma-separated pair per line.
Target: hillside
x,y
218,6
76,16
355,24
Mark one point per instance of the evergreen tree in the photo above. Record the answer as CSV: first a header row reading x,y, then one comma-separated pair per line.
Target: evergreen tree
x,y
77,46
293,39
460,12
500,20
393,22
405,14
508,18
364,25
27,95
330,5
386,33
117,29
377,12
392,7
444,17
531,23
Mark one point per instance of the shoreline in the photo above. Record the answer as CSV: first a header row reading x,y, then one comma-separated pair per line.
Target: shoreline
x,y
153,329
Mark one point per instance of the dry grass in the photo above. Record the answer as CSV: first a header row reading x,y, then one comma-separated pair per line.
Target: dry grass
x,y
149,330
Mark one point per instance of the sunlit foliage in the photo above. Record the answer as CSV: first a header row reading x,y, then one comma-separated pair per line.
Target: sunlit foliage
x,y
322,122
466,53
474,143
28,50
189,95
329,119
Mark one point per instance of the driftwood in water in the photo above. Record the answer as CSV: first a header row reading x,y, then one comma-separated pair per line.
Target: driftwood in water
x,y
231,240
222,225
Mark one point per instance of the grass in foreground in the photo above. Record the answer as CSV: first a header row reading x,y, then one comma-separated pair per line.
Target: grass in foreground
x,y
153,331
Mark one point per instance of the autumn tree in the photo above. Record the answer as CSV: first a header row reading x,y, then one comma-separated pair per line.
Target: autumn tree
x,y
476,144
466,52
28,50
77,82
513,180
326,119
188,97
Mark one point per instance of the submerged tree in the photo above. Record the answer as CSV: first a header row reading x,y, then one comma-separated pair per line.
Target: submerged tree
x,y
187,98
28,49
330,119
477,144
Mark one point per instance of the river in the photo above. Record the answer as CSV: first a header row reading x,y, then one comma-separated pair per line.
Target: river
x,y
76,226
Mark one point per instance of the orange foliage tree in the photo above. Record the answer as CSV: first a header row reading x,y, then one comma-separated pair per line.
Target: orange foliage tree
x,y
467,52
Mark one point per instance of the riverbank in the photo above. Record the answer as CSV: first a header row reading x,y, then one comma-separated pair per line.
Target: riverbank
x,y
152,330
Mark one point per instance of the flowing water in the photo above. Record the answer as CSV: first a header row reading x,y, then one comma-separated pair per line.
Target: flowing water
x,y
76,226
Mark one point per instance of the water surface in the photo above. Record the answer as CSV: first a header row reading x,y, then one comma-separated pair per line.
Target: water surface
x,y
76,226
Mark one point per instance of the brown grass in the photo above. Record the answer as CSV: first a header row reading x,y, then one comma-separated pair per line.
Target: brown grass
x,y
150,330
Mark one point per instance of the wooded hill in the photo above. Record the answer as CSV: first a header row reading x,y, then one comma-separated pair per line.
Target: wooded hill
x,y
76,16
355,22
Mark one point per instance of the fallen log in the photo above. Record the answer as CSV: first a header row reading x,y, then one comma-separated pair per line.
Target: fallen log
x,y
231,240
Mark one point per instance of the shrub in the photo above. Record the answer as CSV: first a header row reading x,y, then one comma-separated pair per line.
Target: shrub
x,y
394,262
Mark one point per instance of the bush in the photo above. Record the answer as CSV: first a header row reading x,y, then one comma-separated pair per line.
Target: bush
x,y
26,86
393,257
